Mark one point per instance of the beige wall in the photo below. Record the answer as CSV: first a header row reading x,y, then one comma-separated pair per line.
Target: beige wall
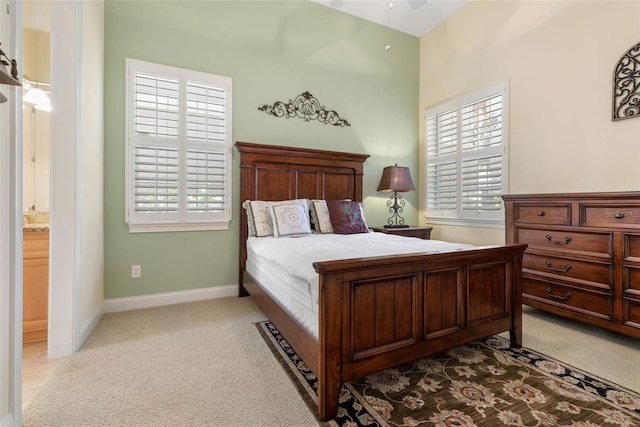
x,y
559,58
35,55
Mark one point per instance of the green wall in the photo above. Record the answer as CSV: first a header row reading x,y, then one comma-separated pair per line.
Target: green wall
x,y
273,51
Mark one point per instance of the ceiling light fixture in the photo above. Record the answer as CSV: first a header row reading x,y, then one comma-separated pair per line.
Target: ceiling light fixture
x,y
388,46
36,95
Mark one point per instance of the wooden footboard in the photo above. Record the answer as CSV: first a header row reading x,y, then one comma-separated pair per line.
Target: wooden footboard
x,y
396,309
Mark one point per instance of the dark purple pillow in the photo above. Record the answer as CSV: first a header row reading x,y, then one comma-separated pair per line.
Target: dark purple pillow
x,y
346,217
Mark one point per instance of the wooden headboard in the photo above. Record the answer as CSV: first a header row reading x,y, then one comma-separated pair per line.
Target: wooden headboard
x,y
272,172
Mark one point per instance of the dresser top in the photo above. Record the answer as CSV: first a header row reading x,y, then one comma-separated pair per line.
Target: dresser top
x,y
615,195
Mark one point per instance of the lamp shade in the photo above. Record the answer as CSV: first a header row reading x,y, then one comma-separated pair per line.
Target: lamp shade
x,y
396,178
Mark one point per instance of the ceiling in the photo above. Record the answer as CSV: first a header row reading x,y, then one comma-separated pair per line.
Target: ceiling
x,y
415,17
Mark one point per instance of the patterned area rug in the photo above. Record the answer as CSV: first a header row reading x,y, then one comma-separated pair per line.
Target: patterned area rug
x,y
480,384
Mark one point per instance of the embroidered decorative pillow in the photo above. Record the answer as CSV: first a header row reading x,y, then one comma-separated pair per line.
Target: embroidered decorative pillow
x,y
288,220
251,225
262,217
346,217
320,218
364,219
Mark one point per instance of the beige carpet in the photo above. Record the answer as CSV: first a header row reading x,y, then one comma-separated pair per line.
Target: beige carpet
x,y
196,364
606,354
205,364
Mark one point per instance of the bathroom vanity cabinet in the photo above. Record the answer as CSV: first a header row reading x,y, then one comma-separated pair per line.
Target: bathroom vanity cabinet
x,y
35,284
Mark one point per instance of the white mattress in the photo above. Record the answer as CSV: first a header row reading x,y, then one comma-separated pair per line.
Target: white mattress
x,y
284,266
291,293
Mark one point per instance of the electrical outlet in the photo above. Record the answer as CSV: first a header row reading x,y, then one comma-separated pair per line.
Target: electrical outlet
x,y
136,271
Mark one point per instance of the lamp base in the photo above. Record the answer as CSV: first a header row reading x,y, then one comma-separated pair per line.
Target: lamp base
x,y
397,226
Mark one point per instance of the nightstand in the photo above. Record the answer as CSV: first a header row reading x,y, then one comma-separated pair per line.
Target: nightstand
x,y
419,232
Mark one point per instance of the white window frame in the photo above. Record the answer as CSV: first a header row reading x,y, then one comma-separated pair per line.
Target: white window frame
x,y
184,218
456,215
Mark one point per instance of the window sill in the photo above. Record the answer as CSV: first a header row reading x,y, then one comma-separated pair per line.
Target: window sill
x,y
163,227
466,222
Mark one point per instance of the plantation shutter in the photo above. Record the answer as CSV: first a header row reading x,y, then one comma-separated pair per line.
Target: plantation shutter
x,y
442,169
205,181
179,149
465,165
481,184
156,180
206,158
155,117
482,155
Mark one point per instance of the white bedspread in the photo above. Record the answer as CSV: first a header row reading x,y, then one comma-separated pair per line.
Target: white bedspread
x,y
297,254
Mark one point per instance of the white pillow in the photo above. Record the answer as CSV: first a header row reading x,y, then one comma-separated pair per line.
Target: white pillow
x,y
290,219
363,218
262,222
320,216
251,224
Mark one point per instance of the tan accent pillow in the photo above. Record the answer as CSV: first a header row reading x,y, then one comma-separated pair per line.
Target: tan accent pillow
x,y
320,218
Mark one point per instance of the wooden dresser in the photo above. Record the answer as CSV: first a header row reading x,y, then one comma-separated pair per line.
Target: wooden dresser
x,y
583,258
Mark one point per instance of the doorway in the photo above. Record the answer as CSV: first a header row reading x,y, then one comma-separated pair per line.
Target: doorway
x,y
36,196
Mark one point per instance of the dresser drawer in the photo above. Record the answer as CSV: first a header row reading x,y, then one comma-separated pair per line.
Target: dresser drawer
x,y
631,281
596,274
598,243
631,247
591,303
613,215
558,214
631,313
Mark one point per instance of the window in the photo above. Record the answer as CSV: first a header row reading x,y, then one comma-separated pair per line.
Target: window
x,y
178,149
466,158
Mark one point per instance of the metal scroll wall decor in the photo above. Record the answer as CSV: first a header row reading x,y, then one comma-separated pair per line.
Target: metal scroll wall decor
x,y
306,107
6,78
626,85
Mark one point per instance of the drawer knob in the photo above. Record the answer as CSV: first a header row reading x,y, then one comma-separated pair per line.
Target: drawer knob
x,y
558,297
558,269
618,215
540,213
566,240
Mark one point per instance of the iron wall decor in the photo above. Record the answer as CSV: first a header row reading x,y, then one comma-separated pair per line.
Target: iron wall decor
x,y
5,77
306,107
626,85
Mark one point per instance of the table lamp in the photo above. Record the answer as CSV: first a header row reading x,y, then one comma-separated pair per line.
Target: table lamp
x,y
397,179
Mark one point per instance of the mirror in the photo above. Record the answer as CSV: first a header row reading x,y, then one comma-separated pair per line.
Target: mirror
x,y
36,108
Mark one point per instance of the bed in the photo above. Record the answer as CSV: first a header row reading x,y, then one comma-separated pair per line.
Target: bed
x,y
381,311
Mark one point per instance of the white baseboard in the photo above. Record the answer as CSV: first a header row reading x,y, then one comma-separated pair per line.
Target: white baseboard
x,y
8,422
113,305
88,326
